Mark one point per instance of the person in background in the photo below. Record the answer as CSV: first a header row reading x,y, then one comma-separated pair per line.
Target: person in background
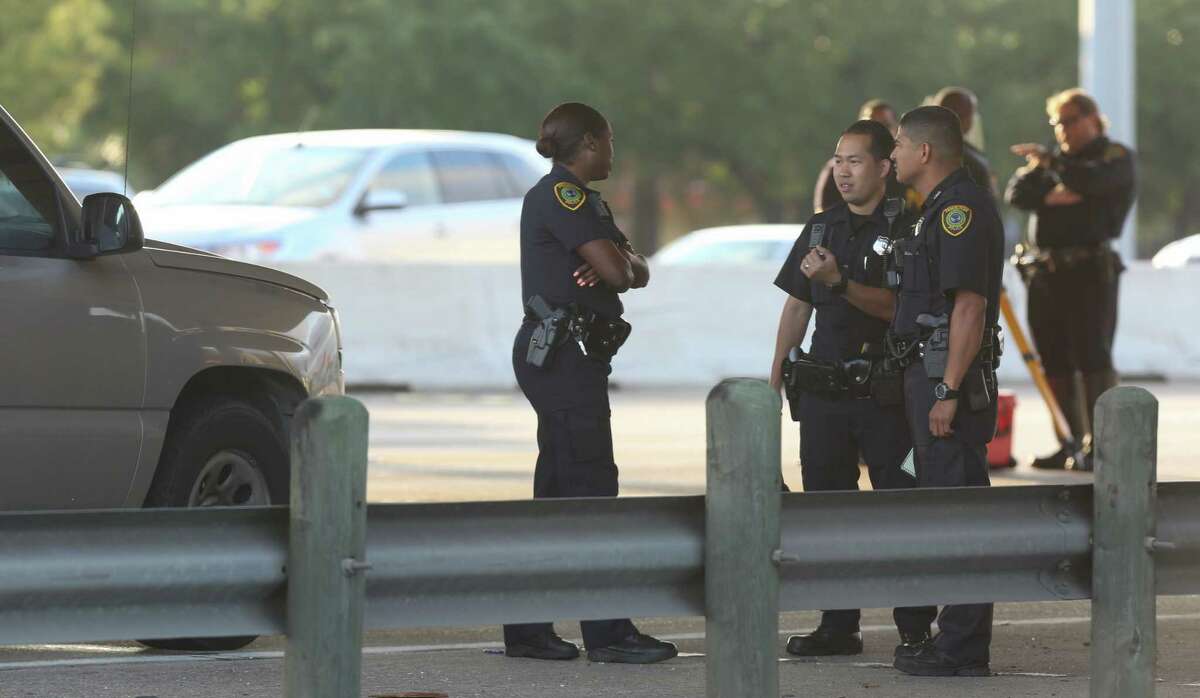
x,y
965,106
1079,195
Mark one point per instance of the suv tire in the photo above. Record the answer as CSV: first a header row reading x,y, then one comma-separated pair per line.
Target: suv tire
x,y
222,451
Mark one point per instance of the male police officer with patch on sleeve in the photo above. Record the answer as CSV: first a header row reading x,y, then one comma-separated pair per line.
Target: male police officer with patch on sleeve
x,y
944,335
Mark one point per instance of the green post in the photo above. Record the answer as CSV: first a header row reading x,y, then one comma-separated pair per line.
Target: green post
x,y
326,569
741,583
1123,622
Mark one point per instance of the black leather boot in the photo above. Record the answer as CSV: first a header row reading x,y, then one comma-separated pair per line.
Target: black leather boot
x,y
825,642
912,643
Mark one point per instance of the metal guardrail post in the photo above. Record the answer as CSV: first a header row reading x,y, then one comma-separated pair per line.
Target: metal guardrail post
x,y
741,536
326,569
1123,602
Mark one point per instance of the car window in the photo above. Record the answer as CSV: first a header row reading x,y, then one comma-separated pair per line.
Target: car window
x,y
84,184
471,175
28,200
524,174
271,173
410,174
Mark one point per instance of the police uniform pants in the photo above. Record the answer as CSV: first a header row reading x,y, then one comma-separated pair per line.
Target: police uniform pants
x,y
575,452
833,436
960,460
1073,316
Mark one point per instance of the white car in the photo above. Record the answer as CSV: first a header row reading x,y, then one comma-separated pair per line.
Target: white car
x,y
759,243
1181,253
84,182
402,195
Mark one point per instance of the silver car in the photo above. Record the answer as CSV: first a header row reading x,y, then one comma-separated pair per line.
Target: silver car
x,y
142,374
731,245
400,195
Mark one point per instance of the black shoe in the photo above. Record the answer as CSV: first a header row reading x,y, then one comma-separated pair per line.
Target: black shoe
x,y
912,643
930,661
1082,463
825,642
634,649
549,647
1060,460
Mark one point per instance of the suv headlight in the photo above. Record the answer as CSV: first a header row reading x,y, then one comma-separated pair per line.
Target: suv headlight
x,y
253,251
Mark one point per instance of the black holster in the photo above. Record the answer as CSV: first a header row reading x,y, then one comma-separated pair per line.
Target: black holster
x,y
598,337
979,386
552,329
887,384
804,374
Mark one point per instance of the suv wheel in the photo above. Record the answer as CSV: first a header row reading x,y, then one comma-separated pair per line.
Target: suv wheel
x,y
222,451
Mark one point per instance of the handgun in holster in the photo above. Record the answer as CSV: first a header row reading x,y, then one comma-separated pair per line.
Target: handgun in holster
x,y
935,347
553,328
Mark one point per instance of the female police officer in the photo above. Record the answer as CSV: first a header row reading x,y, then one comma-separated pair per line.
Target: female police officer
x,y
574,262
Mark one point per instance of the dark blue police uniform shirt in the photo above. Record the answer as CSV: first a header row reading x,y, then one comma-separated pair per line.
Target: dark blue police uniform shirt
x,y
841,329
956,243
551,233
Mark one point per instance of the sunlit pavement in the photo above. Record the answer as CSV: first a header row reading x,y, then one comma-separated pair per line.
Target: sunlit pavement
x,y
445,447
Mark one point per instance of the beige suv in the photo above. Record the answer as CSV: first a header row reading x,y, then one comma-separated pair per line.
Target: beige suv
x,y
138,373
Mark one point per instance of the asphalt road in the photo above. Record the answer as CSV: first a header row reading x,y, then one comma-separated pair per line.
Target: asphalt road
x,y
465,447
449,447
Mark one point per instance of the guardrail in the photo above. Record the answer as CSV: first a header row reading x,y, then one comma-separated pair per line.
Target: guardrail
x,y
736,556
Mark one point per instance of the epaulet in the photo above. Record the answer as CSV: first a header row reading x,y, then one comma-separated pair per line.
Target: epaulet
x,y
824,215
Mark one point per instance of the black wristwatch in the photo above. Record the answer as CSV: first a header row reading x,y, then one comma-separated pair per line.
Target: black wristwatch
x,y
941,391
840,287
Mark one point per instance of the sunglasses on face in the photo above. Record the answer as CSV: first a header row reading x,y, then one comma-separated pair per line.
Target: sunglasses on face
x,y
1066,122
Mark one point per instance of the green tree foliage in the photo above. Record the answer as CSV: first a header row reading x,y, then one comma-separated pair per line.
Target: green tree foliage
x,y
1168,73
741,100
53,53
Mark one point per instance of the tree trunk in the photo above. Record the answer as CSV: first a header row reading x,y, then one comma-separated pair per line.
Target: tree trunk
x,y
770,207
646,212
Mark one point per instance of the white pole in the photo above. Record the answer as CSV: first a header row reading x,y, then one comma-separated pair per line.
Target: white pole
x,y
1107,70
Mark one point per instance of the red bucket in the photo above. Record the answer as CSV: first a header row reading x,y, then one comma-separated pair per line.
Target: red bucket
x,y
999,450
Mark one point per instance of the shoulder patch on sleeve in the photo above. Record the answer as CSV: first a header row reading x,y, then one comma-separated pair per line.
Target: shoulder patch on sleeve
x,y
569,195
956,218
1114,152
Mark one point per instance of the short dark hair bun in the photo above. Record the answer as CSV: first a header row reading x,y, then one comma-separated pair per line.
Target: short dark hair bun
x,y
546,147
565,126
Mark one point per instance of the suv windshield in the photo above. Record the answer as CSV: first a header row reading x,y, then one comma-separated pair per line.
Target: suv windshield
x,y
264,174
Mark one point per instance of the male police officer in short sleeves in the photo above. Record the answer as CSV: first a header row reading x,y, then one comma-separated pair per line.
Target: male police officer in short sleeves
x,y
944,333
835,270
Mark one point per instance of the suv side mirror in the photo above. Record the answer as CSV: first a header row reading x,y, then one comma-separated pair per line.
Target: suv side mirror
x,y
110,226
382,200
